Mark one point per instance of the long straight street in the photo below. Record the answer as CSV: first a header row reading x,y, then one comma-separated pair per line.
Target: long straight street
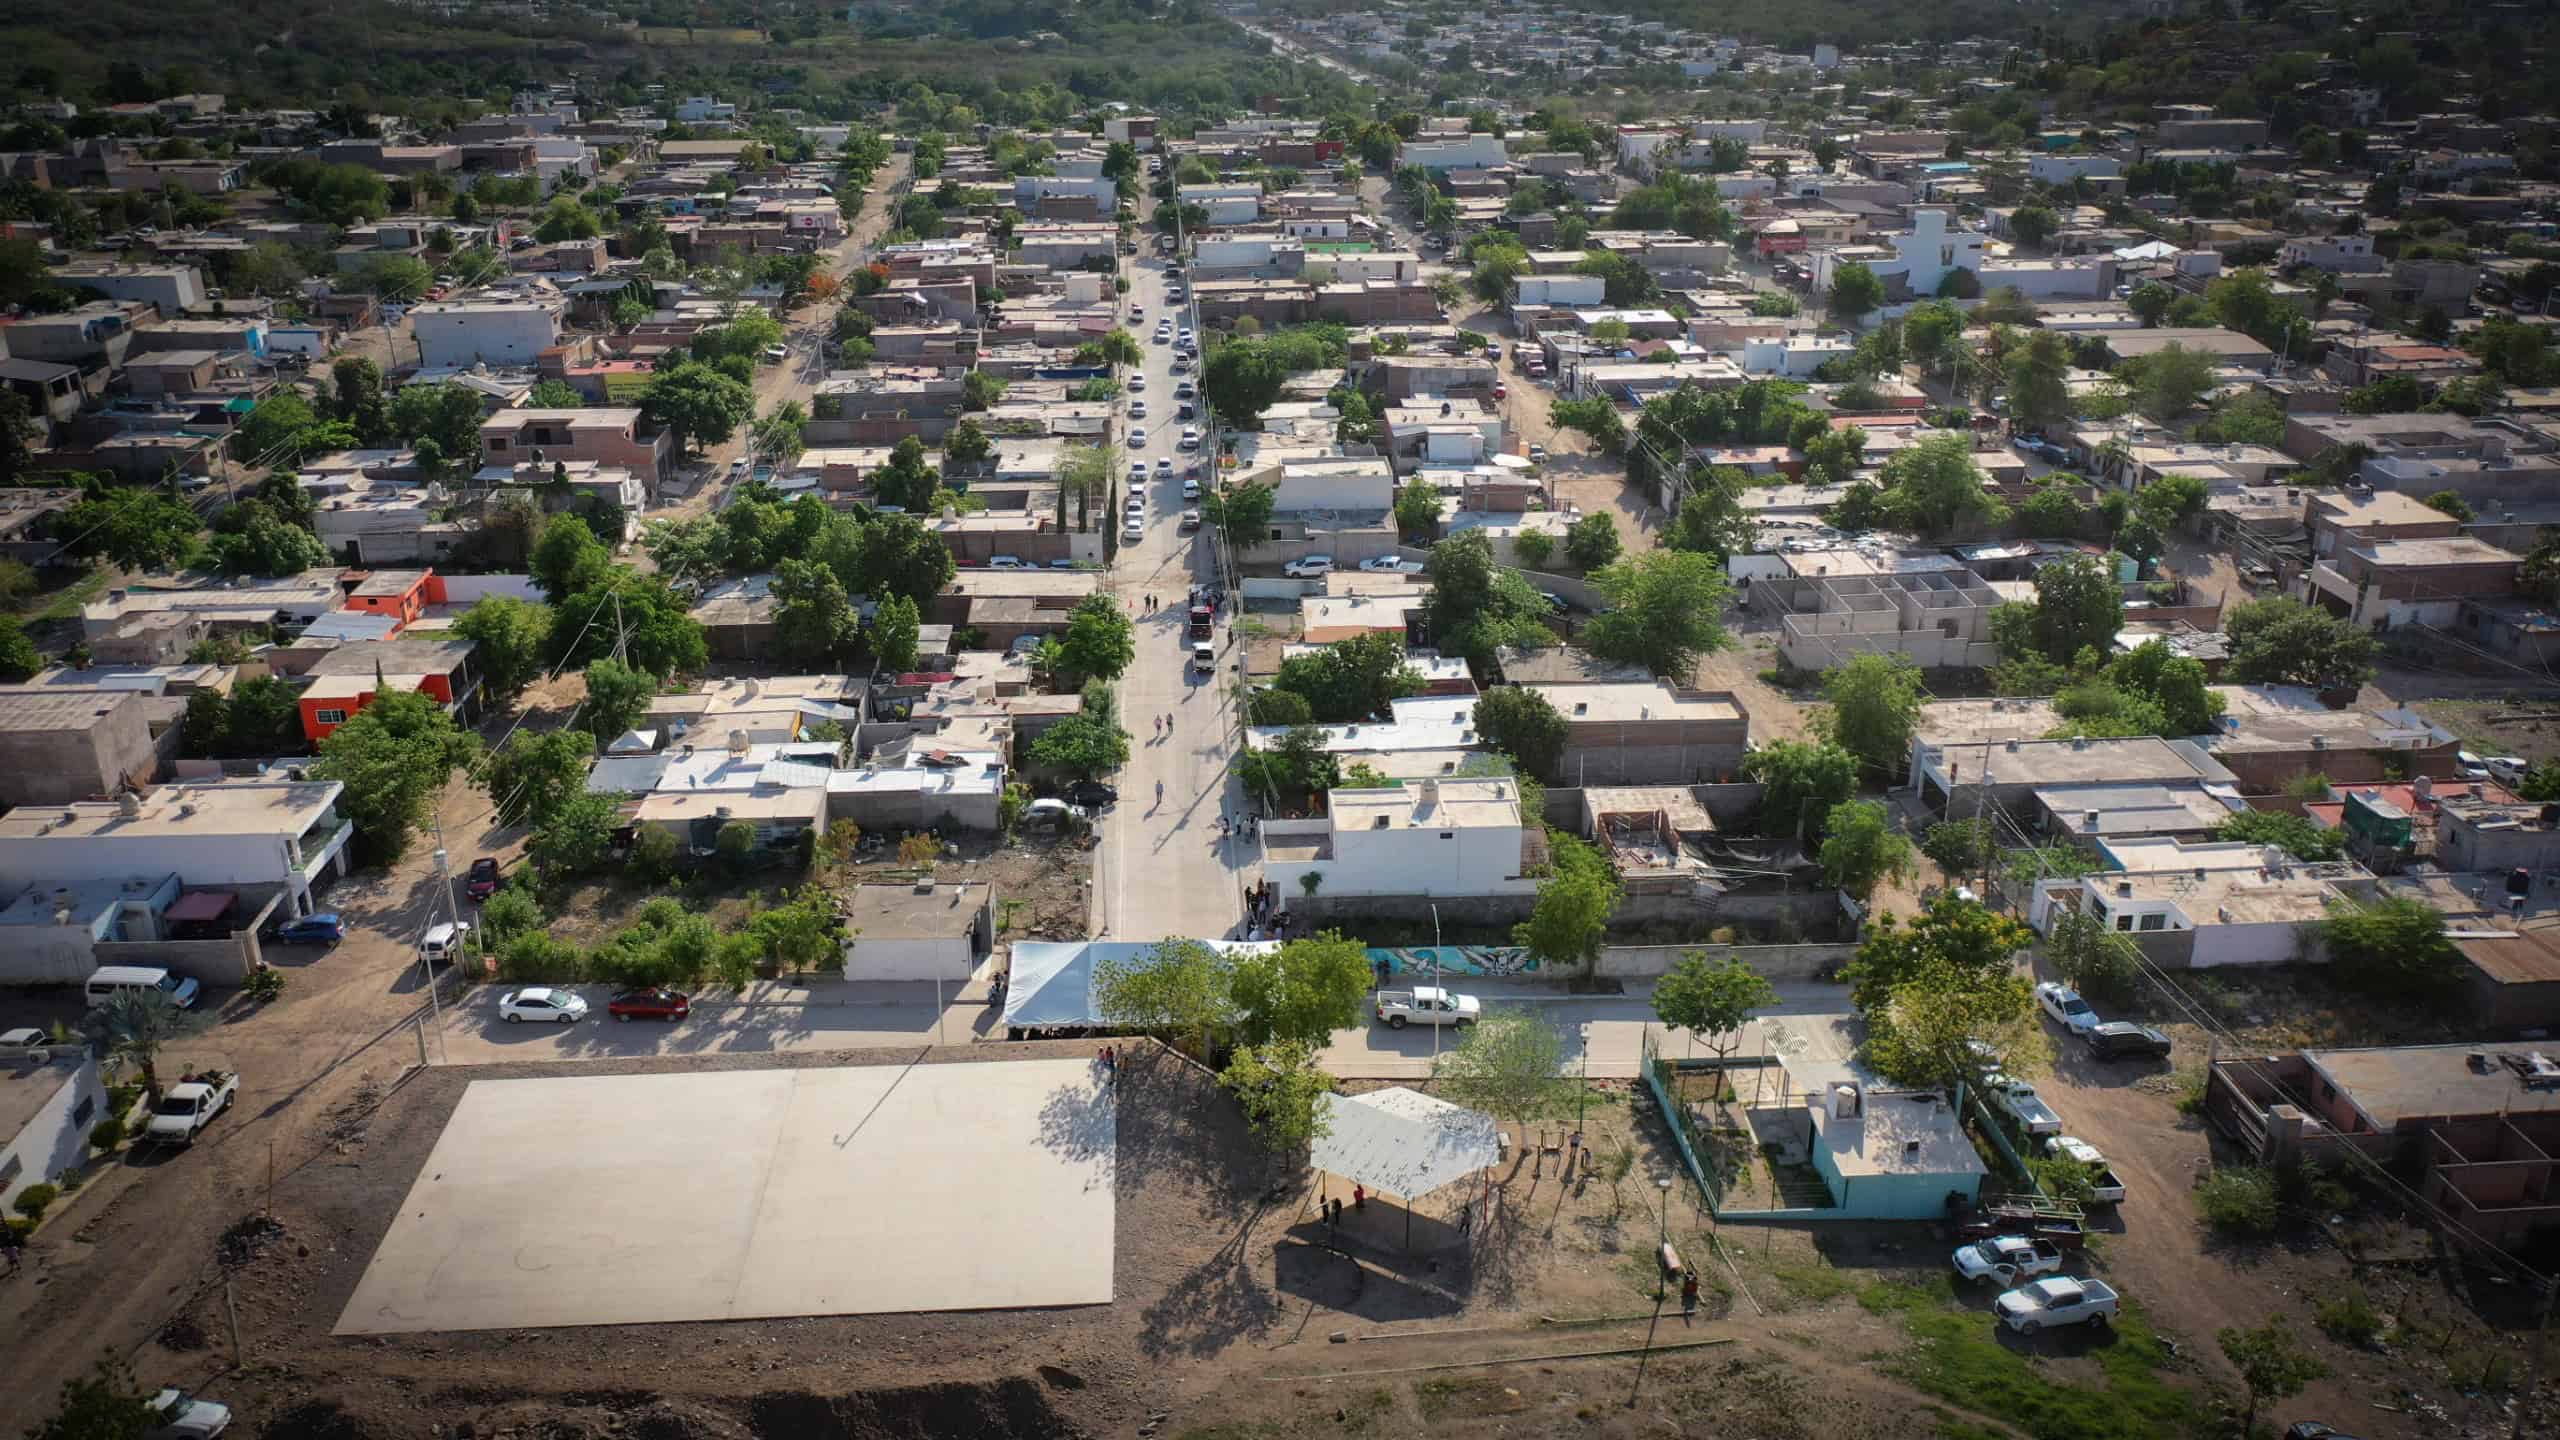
x,y
1163,868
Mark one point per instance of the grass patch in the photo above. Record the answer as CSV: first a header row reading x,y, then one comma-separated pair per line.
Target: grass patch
x,y
65,603
1959,1357
1813,1281
1455,1397
1952,1428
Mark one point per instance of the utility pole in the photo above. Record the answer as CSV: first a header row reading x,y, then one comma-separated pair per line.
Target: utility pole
x,y
1435,981
452,913
1661,1292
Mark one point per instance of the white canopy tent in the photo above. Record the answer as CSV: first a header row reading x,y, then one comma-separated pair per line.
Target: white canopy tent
x,y
1403,1142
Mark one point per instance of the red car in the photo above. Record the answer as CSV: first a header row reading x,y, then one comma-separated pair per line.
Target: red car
x,y
668,1005
483,880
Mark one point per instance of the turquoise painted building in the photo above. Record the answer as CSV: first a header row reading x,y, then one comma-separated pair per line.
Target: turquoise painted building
x,y
1888,1154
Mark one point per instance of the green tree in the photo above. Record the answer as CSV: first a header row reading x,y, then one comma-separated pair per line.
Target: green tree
x,y
906,481
132,1027
2451,504
1592,541
105,1404
251,539
1418,510
1508,1064
1860,848
1352,679
1242,513
1875,708
2276,641
633,613
1241,379
897,555
18,656
702,406
2168,382
1712,520
2038,373
1083,746
1665,611
2033,225
2272,1364
1477,606
2078,606
1279,1087
394,757
1178,990
507,635
895,627
2091,958
1803,780
1301,993
355,397
777,435
532,775
2393,949
1934,487
1714,999
1524,725
1961,847
1570,921
139,530
1930,987
556,395
2150,302
569,558
1099,641
618,696
576,838
967,444
1855,291
814,623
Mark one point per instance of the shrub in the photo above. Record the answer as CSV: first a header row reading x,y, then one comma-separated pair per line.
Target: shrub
x,y
2064,1178
512,911
2239,1200
653,854
34,1200
2349,1319
107,1134
736,845
264,984
1533,548
538,955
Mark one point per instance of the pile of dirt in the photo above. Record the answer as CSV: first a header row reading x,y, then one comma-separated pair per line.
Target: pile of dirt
x,y
248,1238
1016,1409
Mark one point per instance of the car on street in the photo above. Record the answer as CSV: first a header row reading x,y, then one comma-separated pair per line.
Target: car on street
x,y
1006,562
1164,467
542,1003
1190,521
1190,437
1137,437
2023,1104
1137,476
2124,1040
650,1002
1501,391
2508,769
2064,1004
1134,531
483,880
1537,454
1137,409
1091,794
775,354
184,1109
1137,312
1190,489
177,1415
1185,390
1308,566
1391,565
1181,364
322,929
1137,382
1427,1005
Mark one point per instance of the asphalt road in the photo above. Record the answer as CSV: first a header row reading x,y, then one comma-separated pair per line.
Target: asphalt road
x,y
1606,1033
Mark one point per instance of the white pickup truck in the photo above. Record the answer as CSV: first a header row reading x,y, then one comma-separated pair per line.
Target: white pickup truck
x,y
1425,1005
2056,1300
2008,1259
2023,1104
190,1105
2105,1186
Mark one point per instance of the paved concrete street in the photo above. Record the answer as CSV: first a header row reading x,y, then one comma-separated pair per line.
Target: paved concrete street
x,y
1605,1030
1162,868
827,1015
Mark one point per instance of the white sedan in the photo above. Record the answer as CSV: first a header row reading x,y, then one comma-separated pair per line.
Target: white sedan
x,y
2065,1005
542,1002
1137,437
1137,382
1391,565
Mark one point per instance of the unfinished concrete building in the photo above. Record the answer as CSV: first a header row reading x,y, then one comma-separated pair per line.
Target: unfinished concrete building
x,y
1939,619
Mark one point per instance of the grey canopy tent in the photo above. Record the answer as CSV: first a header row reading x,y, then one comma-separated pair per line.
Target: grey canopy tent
x,y
1403,1142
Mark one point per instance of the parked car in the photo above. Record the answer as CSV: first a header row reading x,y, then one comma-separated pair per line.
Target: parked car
x,y
542,1002
1204,660
483,879
177,1415
2023,1104
184,1109
1391,565
1537,454
443,941
1164,467
321,929
2065,1005
1134,531
1137,382
1190,437
652,1002
1006,562
2105,1187
2008,1259
1137,437
27,1038
1185,390
1427,1005
1091,794
1190,489
2124,1040
1307,567
1190,518
776,354
1137,409
2508,769
2056,1300
1053,814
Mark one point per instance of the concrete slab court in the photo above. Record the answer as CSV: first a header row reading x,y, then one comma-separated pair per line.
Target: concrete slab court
x,y
741,1194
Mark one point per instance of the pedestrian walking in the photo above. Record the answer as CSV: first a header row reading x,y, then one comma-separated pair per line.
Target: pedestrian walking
x,y
1689,1293
1466,1219
1110,1063
1359,1197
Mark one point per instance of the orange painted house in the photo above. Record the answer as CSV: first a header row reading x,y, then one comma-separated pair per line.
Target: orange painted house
x,y
404,595
347,679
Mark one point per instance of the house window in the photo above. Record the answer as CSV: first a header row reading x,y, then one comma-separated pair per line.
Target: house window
x,y
1448,834
2155,922
2124,922
497,446
87,1107
329,717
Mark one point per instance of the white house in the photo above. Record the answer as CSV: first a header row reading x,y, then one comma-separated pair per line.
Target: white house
x,y
1933,249
1225,204
1437,837
47,1107
284,834
1794,356
1350,483
1560,290
464,333
1455,152
698,108
918,932
2063,169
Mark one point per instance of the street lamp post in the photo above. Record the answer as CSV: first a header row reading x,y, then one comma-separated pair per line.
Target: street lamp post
x,y
1661,1291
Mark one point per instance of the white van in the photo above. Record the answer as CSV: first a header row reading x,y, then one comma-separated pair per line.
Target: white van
x,y
108,980
443,942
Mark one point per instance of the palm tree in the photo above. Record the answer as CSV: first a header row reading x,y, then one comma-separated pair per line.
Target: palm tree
x,y
132,1025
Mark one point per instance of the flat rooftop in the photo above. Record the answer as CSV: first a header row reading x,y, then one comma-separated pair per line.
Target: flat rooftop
x,y
2091,811
1957,722
2238,897
914,912
1601,703
1900,1134
1457,805
807,1191
2077,762
260,808
26,1088
2392,1084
